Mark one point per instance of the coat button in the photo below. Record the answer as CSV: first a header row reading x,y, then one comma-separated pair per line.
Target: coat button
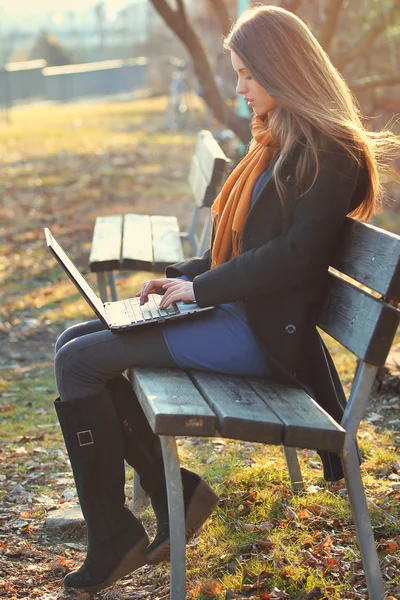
x,y
290,329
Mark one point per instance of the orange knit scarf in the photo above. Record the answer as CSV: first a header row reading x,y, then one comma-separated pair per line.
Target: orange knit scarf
x,y
232,205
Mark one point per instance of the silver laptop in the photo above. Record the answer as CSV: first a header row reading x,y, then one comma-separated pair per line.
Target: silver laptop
x,y
122,314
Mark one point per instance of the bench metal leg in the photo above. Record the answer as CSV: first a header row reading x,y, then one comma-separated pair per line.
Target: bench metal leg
x,y
111,285
351,419
176,517
293,466
105,282
362,521
101,282
204,241
191,235
138,493
358,400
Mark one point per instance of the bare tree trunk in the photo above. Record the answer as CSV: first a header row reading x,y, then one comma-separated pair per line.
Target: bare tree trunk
x,y
329,27
177,21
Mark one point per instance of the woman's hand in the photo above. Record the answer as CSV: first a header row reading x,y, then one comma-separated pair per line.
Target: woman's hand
x,y
177,289
154,286
171,289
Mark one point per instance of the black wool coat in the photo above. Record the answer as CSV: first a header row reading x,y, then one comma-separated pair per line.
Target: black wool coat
x,y
281,274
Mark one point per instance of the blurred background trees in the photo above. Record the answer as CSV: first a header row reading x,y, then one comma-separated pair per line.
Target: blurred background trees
x,y
361,37
49,48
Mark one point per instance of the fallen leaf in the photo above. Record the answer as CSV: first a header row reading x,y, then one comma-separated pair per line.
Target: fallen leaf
x,y
265,543
277,594
290,513
313,489
390,545
304,513
326,544
210,588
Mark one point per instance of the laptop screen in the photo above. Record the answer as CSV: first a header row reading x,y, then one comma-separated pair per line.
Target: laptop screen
x,y
77,279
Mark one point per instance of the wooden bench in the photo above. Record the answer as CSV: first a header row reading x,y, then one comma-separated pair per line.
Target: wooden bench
x,y
363,317
134,242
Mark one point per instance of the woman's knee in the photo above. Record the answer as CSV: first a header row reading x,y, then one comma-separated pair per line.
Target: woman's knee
x,y
62,340
76,331
65,358
76,375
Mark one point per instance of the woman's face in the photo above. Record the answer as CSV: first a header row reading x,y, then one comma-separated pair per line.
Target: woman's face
x,y
252,91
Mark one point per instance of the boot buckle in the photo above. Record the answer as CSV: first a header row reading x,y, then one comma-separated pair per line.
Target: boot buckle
x,y
85,438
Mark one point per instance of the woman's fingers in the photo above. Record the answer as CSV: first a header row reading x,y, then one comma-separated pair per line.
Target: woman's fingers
x,y
154,286
177,290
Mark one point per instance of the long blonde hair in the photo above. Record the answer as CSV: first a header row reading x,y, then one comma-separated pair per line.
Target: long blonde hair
x,y
313,100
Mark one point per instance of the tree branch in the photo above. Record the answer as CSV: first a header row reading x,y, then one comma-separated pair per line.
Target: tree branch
x,y
173,18
181,9
221,12
329,27
201,66
374,81
366,39
166,12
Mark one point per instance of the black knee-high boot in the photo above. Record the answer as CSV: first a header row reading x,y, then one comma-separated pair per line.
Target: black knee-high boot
x,y
116,539
142,449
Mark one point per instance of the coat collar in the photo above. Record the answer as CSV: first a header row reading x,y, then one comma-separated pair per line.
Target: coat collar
x,y
287,172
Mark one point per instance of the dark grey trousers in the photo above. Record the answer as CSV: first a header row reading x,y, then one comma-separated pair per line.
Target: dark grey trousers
x,y
89,359
88,355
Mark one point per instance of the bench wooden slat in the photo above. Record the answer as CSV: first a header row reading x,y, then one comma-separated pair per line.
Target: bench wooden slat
x,y
137,249
241,413
106,244
213,163
167,246
211,157
352,317
131,243
306,424
171,403
197,182
370,256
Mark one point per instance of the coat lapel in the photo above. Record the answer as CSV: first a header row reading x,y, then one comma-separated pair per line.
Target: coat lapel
x,y
267,179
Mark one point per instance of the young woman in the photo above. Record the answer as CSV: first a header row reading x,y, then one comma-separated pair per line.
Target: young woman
x,y
275,227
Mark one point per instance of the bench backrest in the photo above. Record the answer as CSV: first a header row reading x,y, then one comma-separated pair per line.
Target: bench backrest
x,y
360,310
208,169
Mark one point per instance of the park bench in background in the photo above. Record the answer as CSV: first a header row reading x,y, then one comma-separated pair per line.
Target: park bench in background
x,y
133,242
363,316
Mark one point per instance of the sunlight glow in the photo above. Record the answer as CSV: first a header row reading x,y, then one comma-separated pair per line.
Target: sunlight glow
x,y
41,6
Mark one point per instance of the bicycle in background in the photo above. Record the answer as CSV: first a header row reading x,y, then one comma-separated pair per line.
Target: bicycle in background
x,y
177,111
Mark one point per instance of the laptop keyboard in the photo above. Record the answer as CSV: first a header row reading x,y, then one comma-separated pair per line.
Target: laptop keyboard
x,y
150,310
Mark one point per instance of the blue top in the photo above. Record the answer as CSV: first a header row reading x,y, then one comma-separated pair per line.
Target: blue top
x,y
220,340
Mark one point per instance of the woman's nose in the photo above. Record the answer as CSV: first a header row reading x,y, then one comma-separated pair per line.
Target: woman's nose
x,y
240,88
